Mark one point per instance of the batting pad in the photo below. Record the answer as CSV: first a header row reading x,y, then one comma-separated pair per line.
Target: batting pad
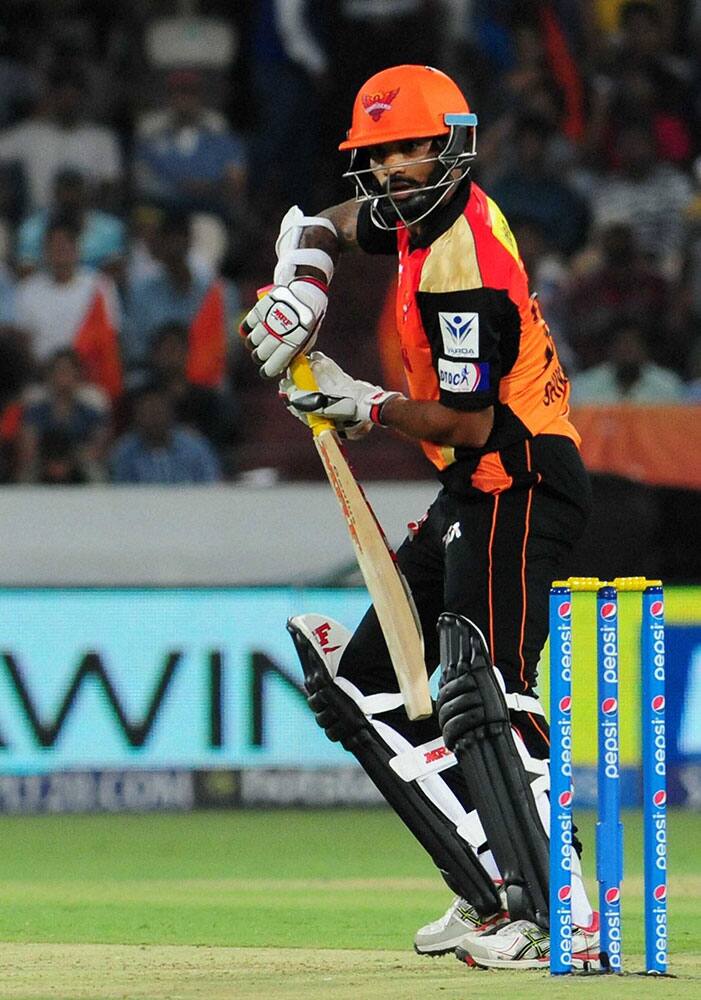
x,y
474,719
400,771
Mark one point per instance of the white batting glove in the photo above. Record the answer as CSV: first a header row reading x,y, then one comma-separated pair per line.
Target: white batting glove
x,y
283,323
351,431
349,402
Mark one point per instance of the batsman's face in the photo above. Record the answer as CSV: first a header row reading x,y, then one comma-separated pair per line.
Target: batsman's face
x,y
403,167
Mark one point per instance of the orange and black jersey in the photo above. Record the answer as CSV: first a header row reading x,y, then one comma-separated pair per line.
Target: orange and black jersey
x,y
471,337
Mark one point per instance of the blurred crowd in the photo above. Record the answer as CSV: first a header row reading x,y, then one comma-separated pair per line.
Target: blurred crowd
x,y
148,151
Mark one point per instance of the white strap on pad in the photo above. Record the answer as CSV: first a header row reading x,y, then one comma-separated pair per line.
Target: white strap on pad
x,y
524,703
417,762
370,704
468,825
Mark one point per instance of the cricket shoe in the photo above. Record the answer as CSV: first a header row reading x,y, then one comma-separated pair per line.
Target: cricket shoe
x,y
522,944
443,935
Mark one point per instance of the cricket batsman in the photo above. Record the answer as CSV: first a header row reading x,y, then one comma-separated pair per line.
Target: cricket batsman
x,y
488,399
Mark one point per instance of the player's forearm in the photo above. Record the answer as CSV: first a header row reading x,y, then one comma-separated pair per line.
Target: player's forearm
x,y
345,220
431,421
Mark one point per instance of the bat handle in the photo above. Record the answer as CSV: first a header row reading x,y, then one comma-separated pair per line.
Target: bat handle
x,y
303,378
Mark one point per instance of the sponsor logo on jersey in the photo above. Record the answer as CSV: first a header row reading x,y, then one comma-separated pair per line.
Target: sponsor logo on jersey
x,y
468,377
376,104
460,333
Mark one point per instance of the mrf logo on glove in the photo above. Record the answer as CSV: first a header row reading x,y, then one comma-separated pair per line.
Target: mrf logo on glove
x,y
283,323
280,321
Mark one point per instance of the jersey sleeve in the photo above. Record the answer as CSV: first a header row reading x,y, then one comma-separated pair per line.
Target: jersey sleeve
x,y
371,238
471,334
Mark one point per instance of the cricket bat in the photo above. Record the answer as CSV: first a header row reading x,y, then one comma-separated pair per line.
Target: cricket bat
x,y
387,587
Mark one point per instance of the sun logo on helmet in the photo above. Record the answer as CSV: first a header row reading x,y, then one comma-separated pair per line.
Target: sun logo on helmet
x,y
376,104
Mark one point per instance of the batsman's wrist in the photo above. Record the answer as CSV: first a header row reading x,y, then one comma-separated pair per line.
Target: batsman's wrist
x,y
378,413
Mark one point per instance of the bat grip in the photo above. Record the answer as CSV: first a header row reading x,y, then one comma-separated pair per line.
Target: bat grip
x,y
303,378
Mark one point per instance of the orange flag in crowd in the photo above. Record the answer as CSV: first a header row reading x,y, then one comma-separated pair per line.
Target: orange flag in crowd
x,y
97,346
207,346
10,421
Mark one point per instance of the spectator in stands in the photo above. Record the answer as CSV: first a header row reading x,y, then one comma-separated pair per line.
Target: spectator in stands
x,y
688,299
364,33
84,46
612,278
19,86
210,411
532,190
7,296
102,240
144,238
187,157
289,73
176,294
639,77
547,273
628,375
15,374
67,305
533,74
57,136
65,427
157,450
542,65
359,39
637,97
11,202
648,195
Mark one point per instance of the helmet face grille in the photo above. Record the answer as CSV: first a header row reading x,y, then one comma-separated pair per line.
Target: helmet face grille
x,y
457,153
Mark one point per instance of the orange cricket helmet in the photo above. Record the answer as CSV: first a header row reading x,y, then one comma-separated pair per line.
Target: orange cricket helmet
x,y
408,103
403,102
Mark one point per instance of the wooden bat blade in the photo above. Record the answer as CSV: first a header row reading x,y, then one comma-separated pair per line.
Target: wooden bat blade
x,y
383,579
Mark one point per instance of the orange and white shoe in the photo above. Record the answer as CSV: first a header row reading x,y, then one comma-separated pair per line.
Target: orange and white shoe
x,y
441,936
522,944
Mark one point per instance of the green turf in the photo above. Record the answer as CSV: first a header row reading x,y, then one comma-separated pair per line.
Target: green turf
x,y
313,905
327,879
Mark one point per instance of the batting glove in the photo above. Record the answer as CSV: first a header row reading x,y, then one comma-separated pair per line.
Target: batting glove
x,y
351,431
283,323
349,402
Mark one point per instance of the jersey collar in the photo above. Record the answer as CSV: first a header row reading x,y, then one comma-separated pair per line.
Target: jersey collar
x,y
442,219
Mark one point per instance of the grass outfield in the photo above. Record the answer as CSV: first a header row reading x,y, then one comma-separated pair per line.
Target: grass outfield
x,y
274,904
